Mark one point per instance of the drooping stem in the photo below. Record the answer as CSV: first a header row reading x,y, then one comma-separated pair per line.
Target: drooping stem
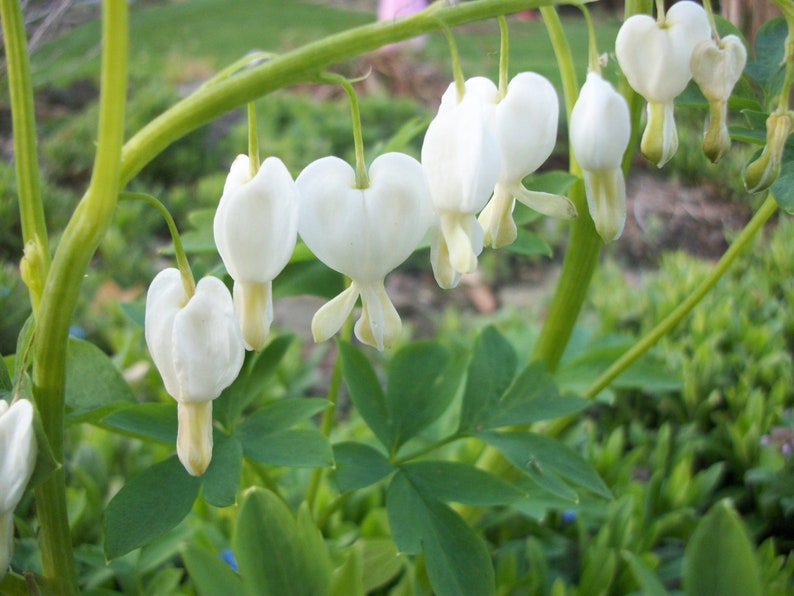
x,y
23,120
504,56
741,242
457,69
362,178
78,243
188,281
253,140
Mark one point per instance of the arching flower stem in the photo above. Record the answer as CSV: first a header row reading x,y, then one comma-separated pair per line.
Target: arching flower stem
x,y
504,57
253,140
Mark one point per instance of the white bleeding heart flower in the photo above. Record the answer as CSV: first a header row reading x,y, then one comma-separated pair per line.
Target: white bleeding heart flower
x,y
600,128
196,345
716,68
525,122
18,451
462,160
255,228
763,172
655,57
363,233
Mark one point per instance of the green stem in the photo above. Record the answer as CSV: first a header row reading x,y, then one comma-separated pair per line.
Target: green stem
x,y
78,243
584,245
302,64
741,242
457,69
428,449
188,281
253,140
362,178
593,63
504,56
23,120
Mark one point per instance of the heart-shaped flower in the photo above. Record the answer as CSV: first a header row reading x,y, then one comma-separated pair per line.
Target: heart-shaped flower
x,y
255,228
363,233
599,133
655,57
197,347
716,68
525,122
462,160
17,461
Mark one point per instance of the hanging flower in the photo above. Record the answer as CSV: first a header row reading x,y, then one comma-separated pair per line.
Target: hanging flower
x,y
525,123
599,133
461,158
18,451
363,233
197,347
256,227
716,68
762,172
655,57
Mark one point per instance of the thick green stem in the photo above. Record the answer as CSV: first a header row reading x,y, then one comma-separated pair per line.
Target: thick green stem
x,y
80,239
741,242
584,244
296,66
23,119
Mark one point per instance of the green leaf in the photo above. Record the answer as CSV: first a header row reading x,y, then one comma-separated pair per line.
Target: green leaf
x,y
457,559
556,182
210,575
529,244
528,451
148,505
461,483
23,357
532,397
93,383
365,391
317,559
491,370
5,378
768,66
297,448
308,277
148,421
348,578
359,465
381,561
252,380
719,559
281,415
272,557
135,311
222,478
649,583
419,389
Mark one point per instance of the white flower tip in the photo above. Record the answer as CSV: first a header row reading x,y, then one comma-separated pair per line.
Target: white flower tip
x,y
331,316
606,200
253,304
194,436
380,324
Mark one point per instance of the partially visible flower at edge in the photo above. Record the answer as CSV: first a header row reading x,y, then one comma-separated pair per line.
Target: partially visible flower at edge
x,y
18,450
763,172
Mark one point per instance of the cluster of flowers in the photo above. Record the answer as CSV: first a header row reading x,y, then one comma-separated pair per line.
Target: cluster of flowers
x,y
477,150
18,450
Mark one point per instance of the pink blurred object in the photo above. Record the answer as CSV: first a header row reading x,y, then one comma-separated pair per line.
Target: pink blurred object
x,y
394,9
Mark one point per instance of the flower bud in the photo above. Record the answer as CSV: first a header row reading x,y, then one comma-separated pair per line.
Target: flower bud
x,y
197,347
600,127
461,158
363,234
716,68
255,230
18,452
763,172
655,58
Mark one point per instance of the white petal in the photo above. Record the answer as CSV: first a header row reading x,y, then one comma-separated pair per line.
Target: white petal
x,y
331,316
207,344
606,200
364,233
600,125
660,137
526,124
17,453
379,325
716,69
464,239
654,58
239,173
165,298
256,223
253,304
497,218
545,202
461,157
446,276
194,436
